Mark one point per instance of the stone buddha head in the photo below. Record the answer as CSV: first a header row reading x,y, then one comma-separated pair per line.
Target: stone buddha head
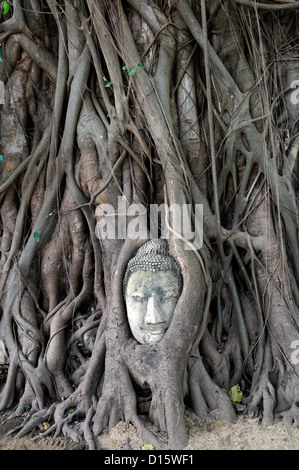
x,y
152,286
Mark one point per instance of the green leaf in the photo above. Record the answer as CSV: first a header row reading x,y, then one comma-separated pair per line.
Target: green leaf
x,y
132,71
236,394
147,447
36,237
108,84
125,67
1,158
5,7
225,391
140,66
70,410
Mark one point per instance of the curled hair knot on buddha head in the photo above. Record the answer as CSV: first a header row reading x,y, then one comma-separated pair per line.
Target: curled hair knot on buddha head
x,y
152,256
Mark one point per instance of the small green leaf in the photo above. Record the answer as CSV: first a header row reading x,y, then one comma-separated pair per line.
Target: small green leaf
x,y
1,158
225,391
5,7
70,410
125,67
132,71
140,66
236,394
36,237
108,84
147,447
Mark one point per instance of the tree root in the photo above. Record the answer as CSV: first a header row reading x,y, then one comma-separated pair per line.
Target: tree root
x,y
119,403
35,420
205,395
263,397
290,417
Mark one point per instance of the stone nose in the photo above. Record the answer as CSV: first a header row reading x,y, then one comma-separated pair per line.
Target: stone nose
x,y
153,312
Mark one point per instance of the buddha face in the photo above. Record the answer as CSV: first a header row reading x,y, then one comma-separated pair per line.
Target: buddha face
x,y
151,298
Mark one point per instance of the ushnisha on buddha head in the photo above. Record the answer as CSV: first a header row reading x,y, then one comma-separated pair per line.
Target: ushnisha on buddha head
x,y
152,286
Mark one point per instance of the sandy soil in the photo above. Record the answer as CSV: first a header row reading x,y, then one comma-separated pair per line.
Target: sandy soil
x,y
245,434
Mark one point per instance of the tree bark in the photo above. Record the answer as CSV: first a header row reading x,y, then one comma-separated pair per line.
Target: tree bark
x,y
157,102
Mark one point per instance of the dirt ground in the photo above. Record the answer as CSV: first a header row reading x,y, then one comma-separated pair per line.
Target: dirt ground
x,y
245,434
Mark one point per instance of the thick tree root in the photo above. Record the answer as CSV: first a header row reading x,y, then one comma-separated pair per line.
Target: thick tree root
x,y
291,417
263,398
206,397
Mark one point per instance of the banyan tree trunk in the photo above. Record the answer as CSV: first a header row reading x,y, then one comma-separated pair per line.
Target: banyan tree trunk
x,y
154,102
